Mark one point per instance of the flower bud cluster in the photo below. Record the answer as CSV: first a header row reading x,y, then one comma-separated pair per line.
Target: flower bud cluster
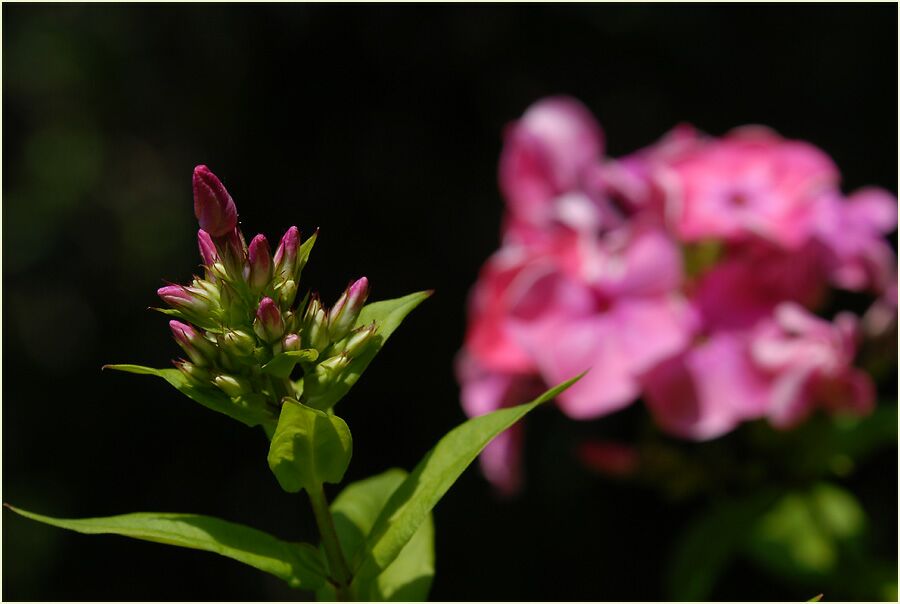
x,y
243,313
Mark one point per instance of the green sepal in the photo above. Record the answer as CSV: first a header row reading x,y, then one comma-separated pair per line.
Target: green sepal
x,y
387,315
282,364
299,564
355,510
309,447
240,409
414,499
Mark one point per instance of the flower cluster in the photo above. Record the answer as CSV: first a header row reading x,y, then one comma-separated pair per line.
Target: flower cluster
x,y
686,274
241,326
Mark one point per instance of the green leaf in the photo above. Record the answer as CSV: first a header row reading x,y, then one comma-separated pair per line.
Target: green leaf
x,y
283,364
355,510
309,447
817,598
303,256
710,542
387,314
413,500
804,533
297,563
212,398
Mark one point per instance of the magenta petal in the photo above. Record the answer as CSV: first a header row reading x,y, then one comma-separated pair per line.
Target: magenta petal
x,y
213,206
875,207
545,153
616,346
708,391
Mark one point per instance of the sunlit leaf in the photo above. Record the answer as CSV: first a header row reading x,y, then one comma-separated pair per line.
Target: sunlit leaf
x,y
297,563
413,500
212,398
309,447
408,578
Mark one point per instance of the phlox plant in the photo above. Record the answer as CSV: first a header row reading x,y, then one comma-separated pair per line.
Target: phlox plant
x,y
707,277
259,353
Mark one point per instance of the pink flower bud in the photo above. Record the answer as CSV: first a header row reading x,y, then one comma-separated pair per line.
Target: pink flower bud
x,y
208,251
269,325
291,342
213,206
183,298
346,310
286,254
193,343
260,262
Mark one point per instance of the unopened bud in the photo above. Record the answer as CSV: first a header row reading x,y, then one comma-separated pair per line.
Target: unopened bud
x,y
291,342
238,342
235,256
185,298
198,348
286,293
232,386
269,325
260,258
315,325
319,381
358,339
193,372
345,311
333,366
213,206
286,254
208,252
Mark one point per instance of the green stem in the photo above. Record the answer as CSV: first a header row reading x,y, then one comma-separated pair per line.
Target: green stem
x,y
340,572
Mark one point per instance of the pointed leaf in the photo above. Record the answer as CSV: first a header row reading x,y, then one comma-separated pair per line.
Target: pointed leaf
x,y
387,315
297,563
309,447
303,255
212,398
283,364
355,511
411,503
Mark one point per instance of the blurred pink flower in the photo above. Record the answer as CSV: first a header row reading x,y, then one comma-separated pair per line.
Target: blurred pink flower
x,y
811,363
750,183
853,230
590,276
753,279
545,155
707,391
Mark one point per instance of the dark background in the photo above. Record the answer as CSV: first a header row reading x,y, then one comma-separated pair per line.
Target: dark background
x,y
381,125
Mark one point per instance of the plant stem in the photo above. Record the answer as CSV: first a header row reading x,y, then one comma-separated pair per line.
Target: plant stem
x,y
340,572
